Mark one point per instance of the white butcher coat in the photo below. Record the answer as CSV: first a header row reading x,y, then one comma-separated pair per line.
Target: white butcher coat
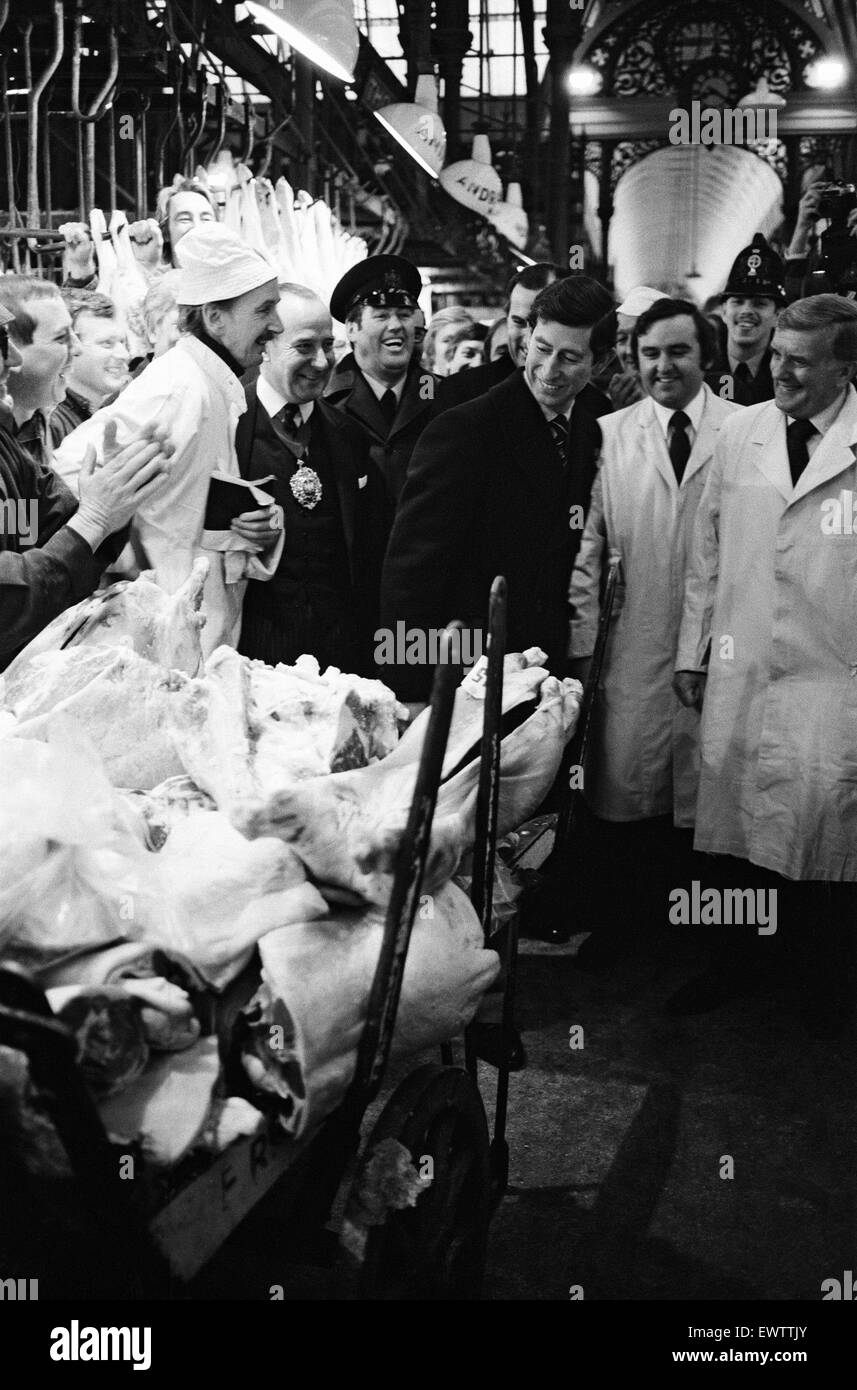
x,y
645,751
776,596
191,390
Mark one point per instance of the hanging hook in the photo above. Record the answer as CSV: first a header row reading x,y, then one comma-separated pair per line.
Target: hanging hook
x,y
249,129
33,97
196,122
102,98
220,107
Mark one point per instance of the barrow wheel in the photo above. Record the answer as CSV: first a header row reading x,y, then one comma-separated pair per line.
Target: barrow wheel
x,y
435,1249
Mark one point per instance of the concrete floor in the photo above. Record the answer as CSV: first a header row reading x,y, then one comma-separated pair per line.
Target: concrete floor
x,y
617,1148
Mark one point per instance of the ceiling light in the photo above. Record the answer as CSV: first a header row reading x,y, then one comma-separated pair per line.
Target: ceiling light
x,y
584,81
417,126
826,73
322,30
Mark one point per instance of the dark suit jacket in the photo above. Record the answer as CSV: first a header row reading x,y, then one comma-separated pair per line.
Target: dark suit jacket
x,y
472,382
486,495
365,510
390,449
761,388
475,381
39,581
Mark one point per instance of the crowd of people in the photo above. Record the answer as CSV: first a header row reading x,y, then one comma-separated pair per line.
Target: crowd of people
x,y
703,449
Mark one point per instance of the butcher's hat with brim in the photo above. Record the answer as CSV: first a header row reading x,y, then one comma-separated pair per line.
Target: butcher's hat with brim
x,y
383,281
5,316
215,264
639,300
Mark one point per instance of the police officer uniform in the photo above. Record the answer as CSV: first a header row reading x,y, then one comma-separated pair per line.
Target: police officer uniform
x,y
757,270
394,417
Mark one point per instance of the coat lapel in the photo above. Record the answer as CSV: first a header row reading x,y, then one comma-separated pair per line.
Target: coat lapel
x,y
532,449
412,403
654,445
768,441
706,438
836,452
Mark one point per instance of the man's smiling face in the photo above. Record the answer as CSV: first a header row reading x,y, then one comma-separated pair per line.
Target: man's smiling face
x,y
558,364
750,320
383,341
670,361
300,361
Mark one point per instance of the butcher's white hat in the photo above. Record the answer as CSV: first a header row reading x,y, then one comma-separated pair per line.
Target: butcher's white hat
x,y
637,302
215,264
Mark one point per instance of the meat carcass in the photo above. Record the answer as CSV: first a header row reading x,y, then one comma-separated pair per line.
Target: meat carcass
x,y
223,893
317,978
162,627
122,702
347,827
167,804
247,730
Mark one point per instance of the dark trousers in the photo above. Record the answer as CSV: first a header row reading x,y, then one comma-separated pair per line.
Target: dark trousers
x,y
279,629
815,942
624,871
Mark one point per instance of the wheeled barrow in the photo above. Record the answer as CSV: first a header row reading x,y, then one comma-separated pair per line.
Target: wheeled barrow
x,y
160,1235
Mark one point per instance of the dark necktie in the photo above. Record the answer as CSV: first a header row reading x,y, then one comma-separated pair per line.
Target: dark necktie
x,y
389,406
798,434
290,415
559,430
742,379
679,443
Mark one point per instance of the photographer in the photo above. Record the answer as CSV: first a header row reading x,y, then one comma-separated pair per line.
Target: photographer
x,y
825,262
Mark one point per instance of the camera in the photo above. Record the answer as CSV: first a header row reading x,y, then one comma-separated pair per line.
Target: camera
x,y
836,200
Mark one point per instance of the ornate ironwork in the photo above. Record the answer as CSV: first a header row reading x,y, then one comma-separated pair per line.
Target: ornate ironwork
x,y
773,152
629,152
704,51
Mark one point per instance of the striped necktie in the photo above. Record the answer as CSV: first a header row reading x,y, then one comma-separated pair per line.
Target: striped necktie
x,y
559,430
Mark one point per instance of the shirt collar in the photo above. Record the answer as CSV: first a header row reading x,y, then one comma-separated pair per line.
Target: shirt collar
x,y
826,417
220,351
379,388
693,411
33,428
753,363
274,401
213,365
